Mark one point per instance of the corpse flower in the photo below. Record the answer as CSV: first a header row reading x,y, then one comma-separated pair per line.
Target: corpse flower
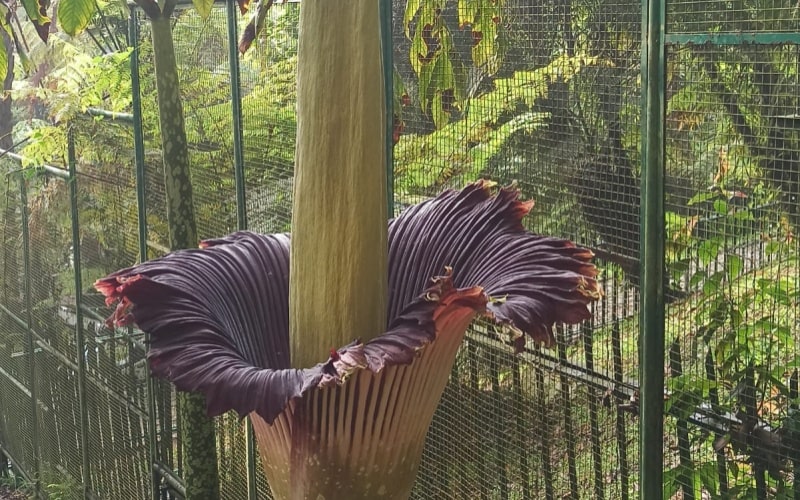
x,y
353,426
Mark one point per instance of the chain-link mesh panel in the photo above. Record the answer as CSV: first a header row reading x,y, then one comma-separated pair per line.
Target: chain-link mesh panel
x,y
748,16
56,355
268,78
116,401
232,455
559,117
732,124
16,419
264,491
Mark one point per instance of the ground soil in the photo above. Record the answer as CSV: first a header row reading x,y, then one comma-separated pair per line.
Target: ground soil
x,y
8,494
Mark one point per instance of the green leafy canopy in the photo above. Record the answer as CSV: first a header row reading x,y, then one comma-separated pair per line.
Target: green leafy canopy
x,y
74,15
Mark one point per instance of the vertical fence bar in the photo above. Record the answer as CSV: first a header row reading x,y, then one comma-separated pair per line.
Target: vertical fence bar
x,y
474,384
30,344
566,401
682,430
620,428
540,390
141,212
79,333
241,199
236,119
500,445
521,428
713,399
651,331
597,459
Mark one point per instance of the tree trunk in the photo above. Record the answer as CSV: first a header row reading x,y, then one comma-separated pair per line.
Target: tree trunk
x,y
338,284
201,475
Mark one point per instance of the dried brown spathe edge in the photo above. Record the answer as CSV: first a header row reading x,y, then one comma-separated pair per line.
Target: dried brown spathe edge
x,y
412,332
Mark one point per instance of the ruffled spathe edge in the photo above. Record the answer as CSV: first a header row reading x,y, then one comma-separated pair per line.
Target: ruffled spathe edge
x,y
218,316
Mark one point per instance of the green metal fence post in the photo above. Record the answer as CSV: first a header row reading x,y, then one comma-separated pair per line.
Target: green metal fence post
x,y
29,341
651,331
241,200
79,334
141,211
388,80
236,110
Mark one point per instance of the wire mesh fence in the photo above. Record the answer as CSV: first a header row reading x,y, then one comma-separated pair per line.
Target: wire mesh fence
x,y
732,342
555,109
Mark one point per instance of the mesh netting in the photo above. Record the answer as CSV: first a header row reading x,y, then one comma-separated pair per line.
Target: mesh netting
x,y
732,124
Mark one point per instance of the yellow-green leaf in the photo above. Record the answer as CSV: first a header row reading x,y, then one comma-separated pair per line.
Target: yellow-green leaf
x,y
37,13
412,6
467,10
34,10
74,15
203,7
3,61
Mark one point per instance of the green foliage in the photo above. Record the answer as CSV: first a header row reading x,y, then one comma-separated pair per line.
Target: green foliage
x,y
742,346
443,78
46,146
203,7
60,487
5,30
74,15
3,53
464,150
37,12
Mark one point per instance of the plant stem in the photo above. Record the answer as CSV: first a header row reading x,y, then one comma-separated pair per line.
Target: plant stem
x,y
201,475
338,284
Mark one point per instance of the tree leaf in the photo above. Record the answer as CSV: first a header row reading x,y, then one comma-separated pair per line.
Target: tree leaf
x,y
5,26
3,60
75,15
204,7
37,13
734,266
467,10
412,7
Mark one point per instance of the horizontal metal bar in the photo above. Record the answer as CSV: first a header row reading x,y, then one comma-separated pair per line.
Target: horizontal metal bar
x,y
733,38
91,378
22,388
574,371
113,115
170,478
73,366
58,172
14,317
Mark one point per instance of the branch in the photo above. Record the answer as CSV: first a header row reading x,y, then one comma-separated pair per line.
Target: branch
x,y
732,107
150,7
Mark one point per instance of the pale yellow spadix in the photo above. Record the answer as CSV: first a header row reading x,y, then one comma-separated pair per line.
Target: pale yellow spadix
x,y
338,255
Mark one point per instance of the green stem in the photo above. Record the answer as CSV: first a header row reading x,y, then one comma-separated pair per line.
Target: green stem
x,y
201,475
338,262
175,150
